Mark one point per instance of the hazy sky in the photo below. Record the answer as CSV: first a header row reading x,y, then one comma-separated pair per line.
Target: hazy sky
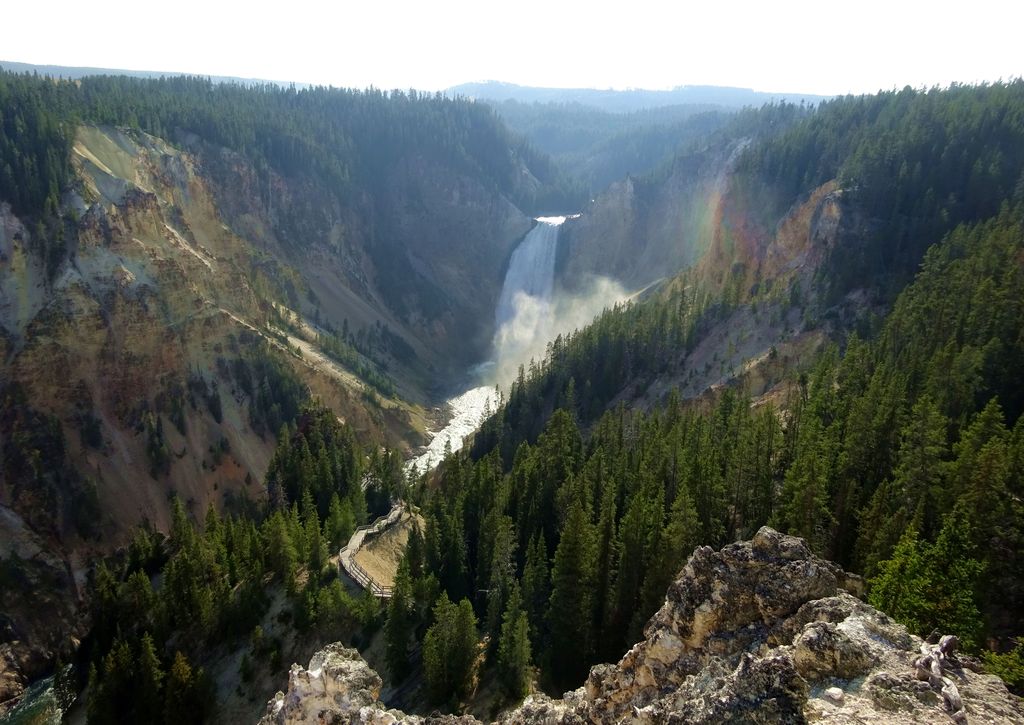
x,y
814,47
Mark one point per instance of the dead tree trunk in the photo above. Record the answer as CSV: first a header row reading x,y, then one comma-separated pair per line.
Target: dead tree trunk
x,y
931,666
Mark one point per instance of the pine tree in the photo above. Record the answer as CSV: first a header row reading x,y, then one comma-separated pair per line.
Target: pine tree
x,y
536,586
315,545
178,705
416,551
638,536
296,533
502,578
398,631
915,489
898,588
453,573
513,663
281,554
677,541
605,568
138,596
114,699
183,534
804,509
449,649
952,581
465,653
357,502
148,682
340,522
569,609
933,587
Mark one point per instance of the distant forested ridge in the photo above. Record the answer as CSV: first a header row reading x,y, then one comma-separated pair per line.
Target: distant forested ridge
x,y
633,99
599,147
77,72
342,138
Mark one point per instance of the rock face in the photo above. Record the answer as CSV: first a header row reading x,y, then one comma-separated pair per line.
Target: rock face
x,y
126,337
338,687
761,631
38,603
640,230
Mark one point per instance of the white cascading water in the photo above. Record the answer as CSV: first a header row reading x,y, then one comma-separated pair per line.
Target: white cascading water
x,y
522,315
531,271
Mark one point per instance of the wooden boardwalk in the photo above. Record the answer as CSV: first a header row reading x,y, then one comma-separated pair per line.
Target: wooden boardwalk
x,y
347,556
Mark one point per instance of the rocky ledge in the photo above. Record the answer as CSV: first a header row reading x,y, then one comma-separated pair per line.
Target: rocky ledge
x,y
762,631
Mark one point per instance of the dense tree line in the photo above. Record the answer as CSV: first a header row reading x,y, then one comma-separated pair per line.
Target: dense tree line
x,y
914,163
168,602
342,351
900,458
35,142
35,145
344,139
275,392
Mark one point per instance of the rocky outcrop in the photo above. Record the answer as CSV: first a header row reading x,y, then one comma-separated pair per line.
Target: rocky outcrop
x,y
338,686
760,631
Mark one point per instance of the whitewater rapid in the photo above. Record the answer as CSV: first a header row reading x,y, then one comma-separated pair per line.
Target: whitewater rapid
x,y
468,411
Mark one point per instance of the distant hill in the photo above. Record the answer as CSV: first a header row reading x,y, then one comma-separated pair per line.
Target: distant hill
x,y
75,72
628,100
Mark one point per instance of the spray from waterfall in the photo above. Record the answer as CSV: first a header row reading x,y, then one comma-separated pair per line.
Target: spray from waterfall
x,y
531,270
531,312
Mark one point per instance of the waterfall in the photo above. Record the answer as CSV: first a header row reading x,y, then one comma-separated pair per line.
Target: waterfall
x,y
531,271
524,319
524,322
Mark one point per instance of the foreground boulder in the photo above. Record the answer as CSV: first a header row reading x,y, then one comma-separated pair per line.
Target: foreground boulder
x,y
762,631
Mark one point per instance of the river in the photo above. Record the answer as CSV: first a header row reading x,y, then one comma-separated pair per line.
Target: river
x,y
43,703
522,316
468,410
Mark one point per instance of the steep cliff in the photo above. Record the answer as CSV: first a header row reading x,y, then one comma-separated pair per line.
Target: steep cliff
x,y
420,251
161,352
760,631
644,229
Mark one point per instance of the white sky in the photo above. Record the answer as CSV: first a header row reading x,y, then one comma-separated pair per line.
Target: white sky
x,y
797,46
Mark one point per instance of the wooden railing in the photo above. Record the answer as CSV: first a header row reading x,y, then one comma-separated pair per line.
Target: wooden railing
x,y
366,581
347,555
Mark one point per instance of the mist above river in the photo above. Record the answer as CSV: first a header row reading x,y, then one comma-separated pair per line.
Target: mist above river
x,y
535,321
532,311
